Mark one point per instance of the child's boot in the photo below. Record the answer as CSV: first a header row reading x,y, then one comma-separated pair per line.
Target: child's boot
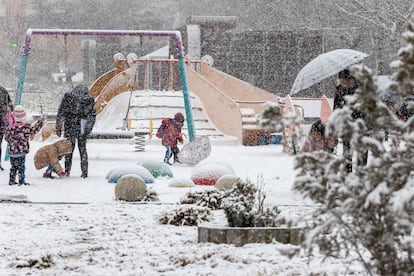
x,y
22,180
47,175
176,160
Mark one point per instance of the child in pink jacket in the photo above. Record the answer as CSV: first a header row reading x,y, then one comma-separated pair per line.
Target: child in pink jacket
x,y
317,141
18,136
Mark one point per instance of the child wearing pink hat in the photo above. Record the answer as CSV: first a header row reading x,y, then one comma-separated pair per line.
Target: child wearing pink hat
x,y
18,136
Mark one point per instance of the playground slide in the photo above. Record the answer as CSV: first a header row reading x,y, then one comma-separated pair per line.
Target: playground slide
x,y
121,82
326,110
98,86
222,95
221,109
241,92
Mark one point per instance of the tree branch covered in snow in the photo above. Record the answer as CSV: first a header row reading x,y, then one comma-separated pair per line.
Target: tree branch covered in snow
x,y
367,211
272,119
390,16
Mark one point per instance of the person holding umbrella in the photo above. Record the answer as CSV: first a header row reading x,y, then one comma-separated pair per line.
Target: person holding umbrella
x,y
348,84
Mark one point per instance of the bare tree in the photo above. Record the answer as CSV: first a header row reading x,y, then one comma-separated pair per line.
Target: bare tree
x,y
12,28
385,21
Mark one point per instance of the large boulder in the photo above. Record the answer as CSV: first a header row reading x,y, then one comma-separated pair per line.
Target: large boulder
x,y
130,187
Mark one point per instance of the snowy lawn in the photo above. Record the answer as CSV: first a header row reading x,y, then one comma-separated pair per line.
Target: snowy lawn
x,y
73,226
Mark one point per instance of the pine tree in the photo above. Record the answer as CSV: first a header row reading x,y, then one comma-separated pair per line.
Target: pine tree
x,y
369,211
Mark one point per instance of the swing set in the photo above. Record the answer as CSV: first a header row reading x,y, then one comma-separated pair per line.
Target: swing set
x,y
112,33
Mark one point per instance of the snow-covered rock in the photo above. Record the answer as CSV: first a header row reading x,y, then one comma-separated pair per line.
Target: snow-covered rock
x,y
139,170
224,164
226,182
130,187
181,183
156,168
208,173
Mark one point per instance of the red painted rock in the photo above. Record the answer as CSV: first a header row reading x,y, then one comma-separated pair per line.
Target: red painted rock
x,y
208,173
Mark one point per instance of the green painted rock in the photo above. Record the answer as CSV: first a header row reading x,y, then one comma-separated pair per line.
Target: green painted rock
x,y
157,168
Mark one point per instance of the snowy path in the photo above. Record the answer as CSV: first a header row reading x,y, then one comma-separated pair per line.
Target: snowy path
x,y
125,239
106,237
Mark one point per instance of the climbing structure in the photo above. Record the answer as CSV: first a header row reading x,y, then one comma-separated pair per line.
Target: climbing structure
x,y
222,105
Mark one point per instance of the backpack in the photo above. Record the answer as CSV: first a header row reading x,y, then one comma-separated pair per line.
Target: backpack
x,y
161,131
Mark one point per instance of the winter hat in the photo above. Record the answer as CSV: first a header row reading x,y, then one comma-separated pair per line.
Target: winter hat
x,y
179,117
19,114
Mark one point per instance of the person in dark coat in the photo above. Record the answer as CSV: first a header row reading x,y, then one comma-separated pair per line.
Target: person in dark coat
x,y
348,84
407,107
76,114
5,103
392,102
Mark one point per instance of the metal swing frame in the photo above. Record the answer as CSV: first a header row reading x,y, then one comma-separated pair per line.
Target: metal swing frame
x,y
140,33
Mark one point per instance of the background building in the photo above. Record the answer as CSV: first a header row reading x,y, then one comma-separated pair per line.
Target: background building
x,y
263,42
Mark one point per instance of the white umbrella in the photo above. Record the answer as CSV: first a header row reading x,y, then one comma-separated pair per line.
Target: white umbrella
x,y
324,66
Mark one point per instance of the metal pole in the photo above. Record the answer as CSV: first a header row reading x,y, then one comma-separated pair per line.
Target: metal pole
x,y
20,82
187,104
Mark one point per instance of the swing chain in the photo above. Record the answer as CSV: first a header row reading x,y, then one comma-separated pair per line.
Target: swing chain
x,y
65,39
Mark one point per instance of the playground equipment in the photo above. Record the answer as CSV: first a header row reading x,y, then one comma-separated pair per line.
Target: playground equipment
x,y
140,86
221,103
141,33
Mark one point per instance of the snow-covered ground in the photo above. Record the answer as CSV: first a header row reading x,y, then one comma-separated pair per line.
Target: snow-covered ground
x,y
73,226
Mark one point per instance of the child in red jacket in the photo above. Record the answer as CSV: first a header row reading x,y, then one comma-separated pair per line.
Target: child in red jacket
x,y
178,123
170,134
162,133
